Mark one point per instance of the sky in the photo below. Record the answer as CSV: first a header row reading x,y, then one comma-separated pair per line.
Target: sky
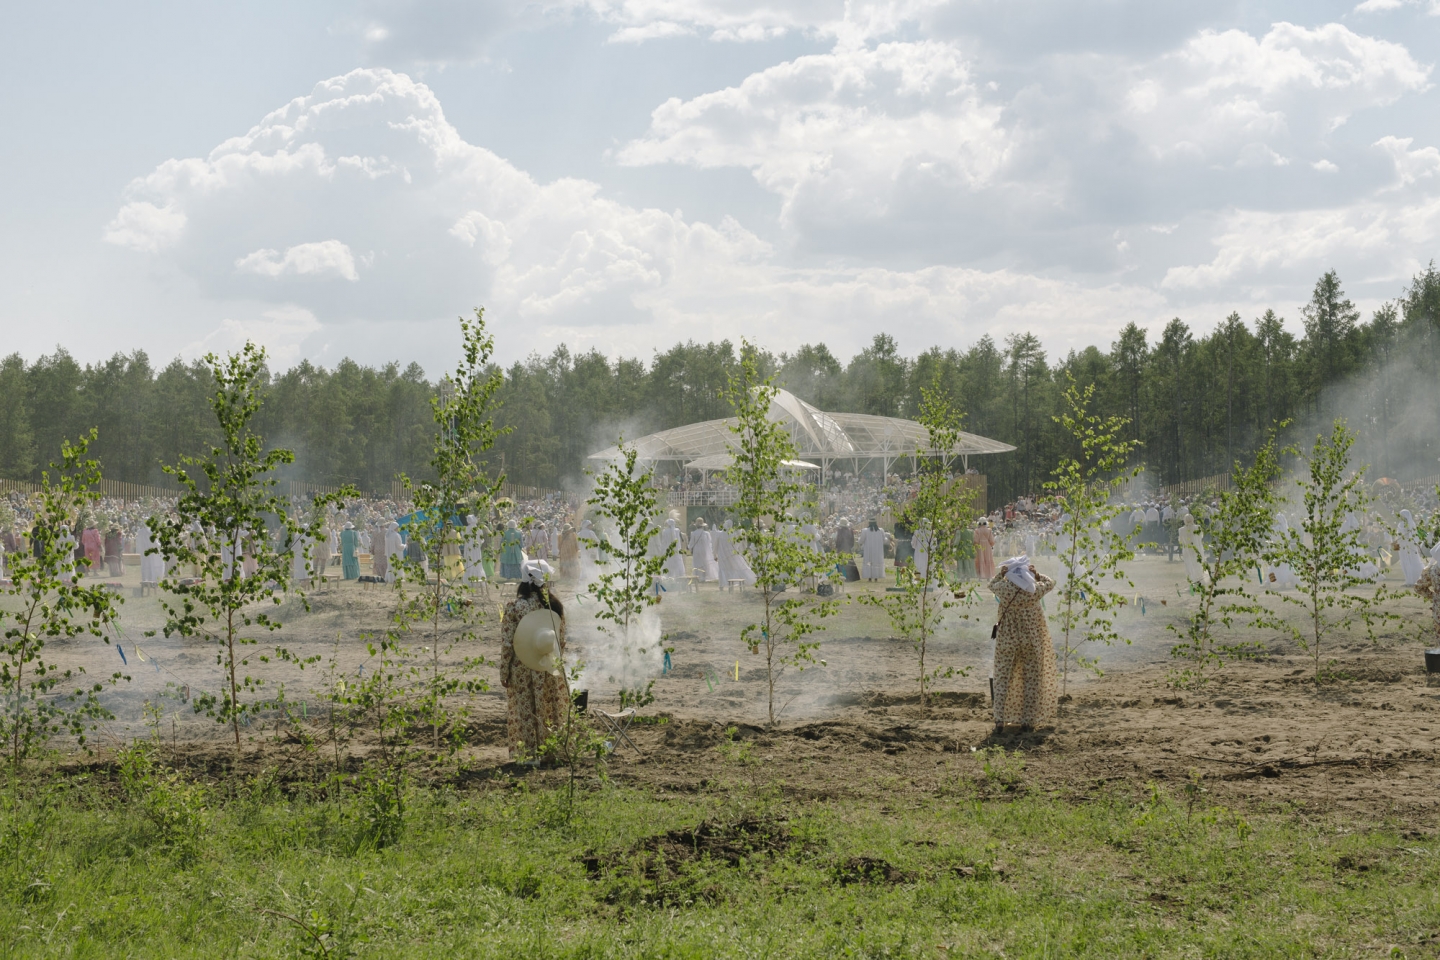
x,y
343,179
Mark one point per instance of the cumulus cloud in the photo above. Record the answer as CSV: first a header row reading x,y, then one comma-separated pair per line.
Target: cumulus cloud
x,y
326,258
369,160
845,126
443,31
141,225
906,149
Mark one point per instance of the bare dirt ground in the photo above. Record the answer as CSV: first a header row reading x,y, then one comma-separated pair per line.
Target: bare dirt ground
x,y
1262,732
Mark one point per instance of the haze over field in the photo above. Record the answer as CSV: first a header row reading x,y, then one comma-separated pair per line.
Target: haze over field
x,y
341,179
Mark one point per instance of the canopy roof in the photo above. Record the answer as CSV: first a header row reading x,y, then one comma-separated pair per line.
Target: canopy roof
x,y
818,436
722,461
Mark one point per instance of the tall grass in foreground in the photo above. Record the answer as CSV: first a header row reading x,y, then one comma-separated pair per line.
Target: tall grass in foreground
x,y
144,865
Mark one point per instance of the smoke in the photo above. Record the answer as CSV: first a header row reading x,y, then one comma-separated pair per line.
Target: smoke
x,y
1394,409
616,659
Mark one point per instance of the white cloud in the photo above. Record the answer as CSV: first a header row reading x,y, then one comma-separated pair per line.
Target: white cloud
x,y
282,330
1225,96
144,226
1268,248
452,225
326,258
841,136
1385,6
1410,165
650,31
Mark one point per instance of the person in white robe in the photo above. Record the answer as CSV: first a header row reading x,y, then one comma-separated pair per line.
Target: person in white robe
x,y
731,562
152,565
394,550
1192,549
872,551
474,550
589,542
299,561
1411,564
670,533
702,554
1365,566
66,568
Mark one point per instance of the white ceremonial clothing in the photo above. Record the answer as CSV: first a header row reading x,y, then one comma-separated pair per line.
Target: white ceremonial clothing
x,y
474,552
920,542
732,564
1192,549
670,533
702,556
1411,563
872,554
152,567
394,551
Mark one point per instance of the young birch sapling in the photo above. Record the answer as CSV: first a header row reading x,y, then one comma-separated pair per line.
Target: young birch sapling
x,y
440,598
1331,564
1237,532
767,497
625,495
45,601
228,512
942,507
1090,552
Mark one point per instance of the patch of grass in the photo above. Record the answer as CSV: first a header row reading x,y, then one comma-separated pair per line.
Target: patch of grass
x,y
92,868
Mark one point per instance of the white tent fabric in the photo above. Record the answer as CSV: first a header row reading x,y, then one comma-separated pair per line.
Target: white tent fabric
x,y
818,436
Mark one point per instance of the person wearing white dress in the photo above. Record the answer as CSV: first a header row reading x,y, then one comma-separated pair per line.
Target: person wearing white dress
x,y
1192,548
394,550
702,554
921,542
732,563
670,533
872,551
1411,564
474,551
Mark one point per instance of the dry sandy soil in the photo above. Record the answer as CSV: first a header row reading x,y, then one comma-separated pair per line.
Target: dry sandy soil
x,y
1261,732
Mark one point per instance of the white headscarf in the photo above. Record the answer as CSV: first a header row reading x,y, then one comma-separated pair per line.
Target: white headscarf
x,y
535,571
1017,571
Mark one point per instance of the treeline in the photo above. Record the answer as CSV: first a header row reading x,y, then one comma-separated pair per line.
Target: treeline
x,y
1197,403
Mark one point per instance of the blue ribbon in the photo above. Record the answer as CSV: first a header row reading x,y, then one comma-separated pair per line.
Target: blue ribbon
x,y
122,654
666,669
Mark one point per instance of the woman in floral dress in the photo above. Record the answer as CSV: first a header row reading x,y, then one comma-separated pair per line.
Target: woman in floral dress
x,y
535,701
1025,687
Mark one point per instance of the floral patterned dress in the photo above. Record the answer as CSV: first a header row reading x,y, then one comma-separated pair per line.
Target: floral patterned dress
x,y
535,701
1025,683
1428,586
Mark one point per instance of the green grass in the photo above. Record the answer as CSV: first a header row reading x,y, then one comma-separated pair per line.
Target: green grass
x,y
175,869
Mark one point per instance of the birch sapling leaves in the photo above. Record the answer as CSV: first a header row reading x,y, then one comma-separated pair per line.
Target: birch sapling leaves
x,y
942,507
46,600
435,592
1325,551
625,495
1237,532
767,499
228,511
1091,554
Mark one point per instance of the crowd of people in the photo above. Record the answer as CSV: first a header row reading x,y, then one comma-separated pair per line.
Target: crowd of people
x,y
850,525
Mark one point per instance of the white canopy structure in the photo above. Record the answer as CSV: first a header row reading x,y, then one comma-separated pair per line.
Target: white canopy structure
x,y
823,437
722,461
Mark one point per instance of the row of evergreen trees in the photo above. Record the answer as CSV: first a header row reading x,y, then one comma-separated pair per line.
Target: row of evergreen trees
x,y
1196,402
